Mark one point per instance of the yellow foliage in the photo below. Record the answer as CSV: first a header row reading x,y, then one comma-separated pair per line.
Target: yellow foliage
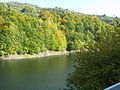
x,y
1,20
99,31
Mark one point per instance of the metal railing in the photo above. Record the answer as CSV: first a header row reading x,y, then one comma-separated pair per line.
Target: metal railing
x,y
114,87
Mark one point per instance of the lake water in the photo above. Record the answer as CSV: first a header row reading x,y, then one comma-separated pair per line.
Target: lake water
x,y
46,73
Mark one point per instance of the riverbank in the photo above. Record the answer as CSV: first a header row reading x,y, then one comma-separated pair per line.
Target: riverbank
x,y
41,54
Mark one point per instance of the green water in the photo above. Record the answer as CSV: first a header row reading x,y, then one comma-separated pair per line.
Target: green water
x,y
47,73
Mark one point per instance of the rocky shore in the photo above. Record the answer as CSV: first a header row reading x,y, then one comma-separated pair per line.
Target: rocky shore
x,y
41,54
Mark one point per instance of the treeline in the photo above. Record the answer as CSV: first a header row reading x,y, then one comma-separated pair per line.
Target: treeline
x,y
106,18
30,30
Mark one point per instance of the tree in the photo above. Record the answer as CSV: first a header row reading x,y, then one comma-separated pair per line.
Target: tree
x,y
98,67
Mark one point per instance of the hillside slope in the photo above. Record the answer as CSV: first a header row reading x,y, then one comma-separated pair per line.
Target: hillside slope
x,y
26,28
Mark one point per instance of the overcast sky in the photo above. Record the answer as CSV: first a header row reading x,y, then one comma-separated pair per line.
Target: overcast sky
x,y
109,7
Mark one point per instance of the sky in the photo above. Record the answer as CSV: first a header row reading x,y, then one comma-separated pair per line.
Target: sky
x,y
99,7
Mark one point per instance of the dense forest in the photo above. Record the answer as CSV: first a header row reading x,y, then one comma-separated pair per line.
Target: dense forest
x,y
26,28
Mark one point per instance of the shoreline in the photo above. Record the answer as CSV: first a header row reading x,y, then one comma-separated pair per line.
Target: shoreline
x,y
41,54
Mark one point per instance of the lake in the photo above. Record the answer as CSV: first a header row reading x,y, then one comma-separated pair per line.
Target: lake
x,y
46,73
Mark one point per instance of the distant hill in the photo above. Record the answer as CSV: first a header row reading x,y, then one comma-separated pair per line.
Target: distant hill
x,y
106,18
18,6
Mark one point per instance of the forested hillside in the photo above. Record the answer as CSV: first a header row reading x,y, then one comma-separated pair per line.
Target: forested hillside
x,y
26,28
